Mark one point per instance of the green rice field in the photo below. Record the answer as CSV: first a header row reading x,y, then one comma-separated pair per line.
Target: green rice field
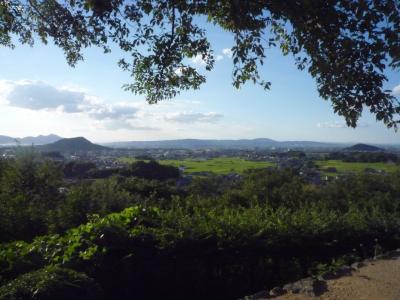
x,y
225,165
221,165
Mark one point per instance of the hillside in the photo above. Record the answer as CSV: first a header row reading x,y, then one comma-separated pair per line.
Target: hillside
x,y
29,140
40,139
77,144
363,148
7,140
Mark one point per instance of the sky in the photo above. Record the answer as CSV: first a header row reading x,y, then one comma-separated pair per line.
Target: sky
x,y
41,94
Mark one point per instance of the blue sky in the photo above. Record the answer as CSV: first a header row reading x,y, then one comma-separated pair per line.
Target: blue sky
x,y
41,94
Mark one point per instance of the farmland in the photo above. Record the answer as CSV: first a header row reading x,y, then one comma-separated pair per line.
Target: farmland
x,y
221,165
225,165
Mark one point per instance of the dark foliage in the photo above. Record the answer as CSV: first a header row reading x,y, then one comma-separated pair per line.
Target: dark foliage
x,y
78,169
210,241
369,157
51,283
151,170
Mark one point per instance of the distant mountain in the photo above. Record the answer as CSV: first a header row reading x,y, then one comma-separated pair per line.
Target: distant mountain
x,y
7,140
222,144
29,140
78,144
363,148
193,143
40,140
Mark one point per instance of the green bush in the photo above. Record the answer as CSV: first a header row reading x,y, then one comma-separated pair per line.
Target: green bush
x,y
210,253
151,170
215,240
51,283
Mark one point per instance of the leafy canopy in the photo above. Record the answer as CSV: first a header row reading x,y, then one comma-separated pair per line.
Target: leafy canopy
x,y
346,45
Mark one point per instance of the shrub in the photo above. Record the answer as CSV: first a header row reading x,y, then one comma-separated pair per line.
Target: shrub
x,y
210,253
51,283
151,170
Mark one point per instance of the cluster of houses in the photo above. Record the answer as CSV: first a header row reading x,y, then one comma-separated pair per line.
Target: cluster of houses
x,y
283,159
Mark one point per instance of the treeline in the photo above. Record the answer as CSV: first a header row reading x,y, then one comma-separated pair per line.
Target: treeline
x,y
36,200
148,170
216,239
367,157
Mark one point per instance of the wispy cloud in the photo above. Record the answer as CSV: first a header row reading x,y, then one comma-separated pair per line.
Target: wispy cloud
x,y
335,124
179,71
117,111
123,125
227,52
198,60
41,97
338,124
396,90
190,117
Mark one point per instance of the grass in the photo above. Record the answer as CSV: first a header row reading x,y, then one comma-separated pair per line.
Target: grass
x,y
225,165
129,160
355,167
221,165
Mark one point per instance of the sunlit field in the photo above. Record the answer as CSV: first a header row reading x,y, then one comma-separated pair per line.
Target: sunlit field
x,y
221,165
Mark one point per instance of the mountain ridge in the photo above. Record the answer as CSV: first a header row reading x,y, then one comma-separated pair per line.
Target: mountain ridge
x,y
76,144
363,148
191,143
40,139
29,140
223,144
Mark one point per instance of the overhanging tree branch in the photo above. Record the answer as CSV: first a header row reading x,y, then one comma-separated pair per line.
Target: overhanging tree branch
x,y
346,45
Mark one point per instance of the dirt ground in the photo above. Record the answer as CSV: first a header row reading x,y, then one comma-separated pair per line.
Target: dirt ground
x,y
378,280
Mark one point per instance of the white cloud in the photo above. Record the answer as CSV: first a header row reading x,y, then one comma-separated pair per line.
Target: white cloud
x,y
396,90
123,125
190,117
42,108
178,71
36,95
5,88
40,96
198,60
117,111
338,124
335,124
227,52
